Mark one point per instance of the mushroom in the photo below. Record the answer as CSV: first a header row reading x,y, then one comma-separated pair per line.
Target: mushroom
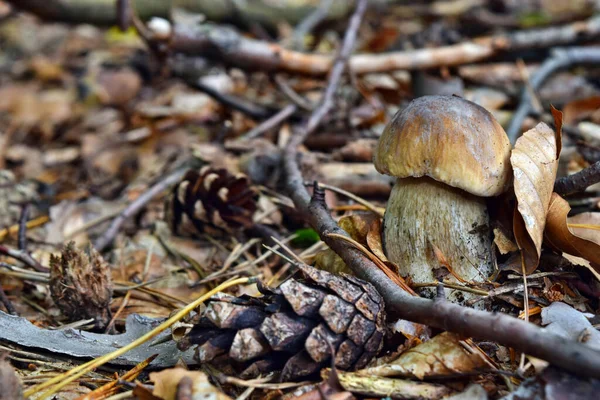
x,y
448,155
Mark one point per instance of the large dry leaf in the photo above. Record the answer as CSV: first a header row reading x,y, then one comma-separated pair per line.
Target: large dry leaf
x,y
535,161
571,241
442,355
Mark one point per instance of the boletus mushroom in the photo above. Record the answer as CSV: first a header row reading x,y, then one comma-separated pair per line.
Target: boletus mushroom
x,y
448,155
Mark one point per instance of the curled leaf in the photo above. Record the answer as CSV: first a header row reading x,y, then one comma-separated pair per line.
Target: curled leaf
x,y
535,161
562,238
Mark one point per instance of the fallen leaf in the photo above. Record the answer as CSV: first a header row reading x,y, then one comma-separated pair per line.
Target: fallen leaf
x,y
562,238
166,381
535,162
580,109
441,355
377,386
374,240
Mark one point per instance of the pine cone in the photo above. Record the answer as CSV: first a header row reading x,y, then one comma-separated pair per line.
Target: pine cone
x,y
293,328
81,285
211,198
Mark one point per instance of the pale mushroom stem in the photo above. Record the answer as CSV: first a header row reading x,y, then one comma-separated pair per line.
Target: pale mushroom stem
x,y
421,212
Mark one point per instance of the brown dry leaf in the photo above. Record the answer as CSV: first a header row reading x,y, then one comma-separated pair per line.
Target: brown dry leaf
x,y
586,225
166,381
441,355
571,240
374,240
581,109
376,386
535,161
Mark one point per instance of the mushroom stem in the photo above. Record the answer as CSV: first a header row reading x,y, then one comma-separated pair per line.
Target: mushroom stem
x,y
421,212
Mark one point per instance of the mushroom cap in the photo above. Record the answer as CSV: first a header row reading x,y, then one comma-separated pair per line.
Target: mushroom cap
x,y
449,139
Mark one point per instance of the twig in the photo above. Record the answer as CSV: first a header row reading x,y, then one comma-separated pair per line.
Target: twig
x,y
6,301
291,94
560,59
22,236
579,181
242,105
106,239
24,257
271,122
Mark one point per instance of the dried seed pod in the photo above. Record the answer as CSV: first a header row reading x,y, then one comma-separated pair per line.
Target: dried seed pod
x,y
294,329
211,198
81,285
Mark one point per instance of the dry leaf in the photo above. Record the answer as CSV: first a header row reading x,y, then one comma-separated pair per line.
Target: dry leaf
x,y
376,386
374,240
560,237
503,243
581,109
535,161
441,355
166,381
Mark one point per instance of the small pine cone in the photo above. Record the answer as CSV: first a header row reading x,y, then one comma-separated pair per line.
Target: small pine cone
x,y
293,329
211,198
81,285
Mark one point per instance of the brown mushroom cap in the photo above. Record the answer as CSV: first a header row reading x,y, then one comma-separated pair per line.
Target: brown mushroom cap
x,y
449,139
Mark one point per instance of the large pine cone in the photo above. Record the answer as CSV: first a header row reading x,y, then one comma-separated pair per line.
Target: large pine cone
x,y
211,198
292,329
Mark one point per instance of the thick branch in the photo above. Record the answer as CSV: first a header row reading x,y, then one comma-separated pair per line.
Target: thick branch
x,y
226,44
579,181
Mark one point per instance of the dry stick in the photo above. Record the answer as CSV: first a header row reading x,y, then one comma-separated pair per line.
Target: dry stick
x,y
106,239
523,336
6,301
227,45
24,257
22,235
579,181
253,110
560,59
270,123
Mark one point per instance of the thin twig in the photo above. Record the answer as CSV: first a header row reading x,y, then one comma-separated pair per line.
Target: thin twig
x,y
291,94
560,60
579,181
22,236
244,106
24,257
6,301
135,206
270,123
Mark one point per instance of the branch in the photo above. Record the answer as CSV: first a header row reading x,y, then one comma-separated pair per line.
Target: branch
x,y
579,181
227,45
561,59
